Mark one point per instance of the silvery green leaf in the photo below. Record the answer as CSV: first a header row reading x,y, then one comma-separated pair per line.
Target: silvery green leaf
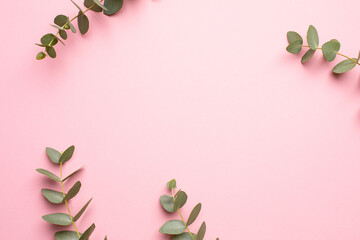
x,y
78,215
83,23
194,214
344,66
72,174
112,6
173,227
72,27
88,232
167,202
293,36
67,154
330,49
53,196
294,47
308,55
53,155
201,232
60,219
73,191
184,236
180,200
48,174
312,37
66,235
171,184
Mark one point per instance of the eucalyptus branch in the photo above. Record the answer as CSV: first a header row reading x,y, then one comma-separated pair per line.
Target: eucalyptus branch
x,y
64,23
55,197
329,49
177,228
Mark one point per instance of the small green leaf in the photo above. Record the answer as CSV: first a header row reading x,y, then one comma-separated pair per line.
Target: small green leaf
x,y
53,155
194,214
312,37
40,55
167,202
66,235
330,49
183,236
57,27
67,154
48,174
171,184
294,47
344,66
83,23
63,34
72,28
53,196
173,227
293,36
49,39
51,52
112,6
89,3
307,56
61,20
78,215
73,191
88,232
180,200
78,7
61,219
72,174
201,233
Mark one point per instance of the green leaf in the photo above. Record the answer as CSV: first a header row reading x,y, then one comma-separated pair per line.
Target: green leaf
x,y
293,36
67,154
49,39
72,174
51,52
167,202
53,196
61,20
73,191
78,215
63,34
173,227
312,37
171,184
294,47
48,174
57,27
40,55
180,200
183,236
61,219
88,232
78,7
344,66
308,55
53,155
330,49
201,233
83,23
89,3
66,235
113,6
100,5
72,28
194,214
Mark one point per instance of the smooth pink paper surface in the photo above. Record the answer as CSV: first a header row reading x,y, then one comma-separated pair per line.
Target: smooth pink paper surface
x,y
201,91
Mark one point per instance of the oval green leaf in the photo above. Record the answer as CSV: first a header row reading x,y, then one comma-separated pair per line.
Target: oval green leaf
x,y
167,202
49,39
72,27
89,3
48,174
173,227
63,34
53,155
51,52
73,191
294,47
60,219
66,235
344,66
40,56
88,232
171,184
293,36
312,37
201,233
61,20
194,214
330,49
83,23
78,215
308,55
112,6
180,200
183,236
53,196
67,154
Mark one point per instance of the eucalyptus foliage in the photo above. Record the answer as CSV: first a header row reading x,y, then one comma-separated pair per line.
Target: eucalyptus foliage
x,y
179,229
63,24
330,49
62,197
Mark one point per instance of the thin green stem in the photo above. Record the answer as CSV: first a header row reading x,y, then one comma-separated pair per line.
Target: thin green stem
x,y
66,203
337,54
182,219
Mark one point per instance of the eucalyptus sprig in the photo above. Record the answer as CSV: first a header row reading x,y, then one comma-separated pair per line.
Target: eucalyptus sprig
x,y
330,49
64,23
56,197
179,229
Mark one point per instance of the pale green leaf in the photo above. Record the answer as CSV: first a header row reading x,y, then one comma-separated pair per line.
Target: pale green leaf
x,y
173,227
167,202
48,174
184,236
53,196
308,55
53,155
344,66
61,219
171,184
312,37
330,49
66,235
294,47
293,36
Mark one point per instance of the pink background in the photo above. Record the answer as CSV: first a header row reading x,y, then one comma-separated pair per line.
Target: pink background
x,y
202,91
